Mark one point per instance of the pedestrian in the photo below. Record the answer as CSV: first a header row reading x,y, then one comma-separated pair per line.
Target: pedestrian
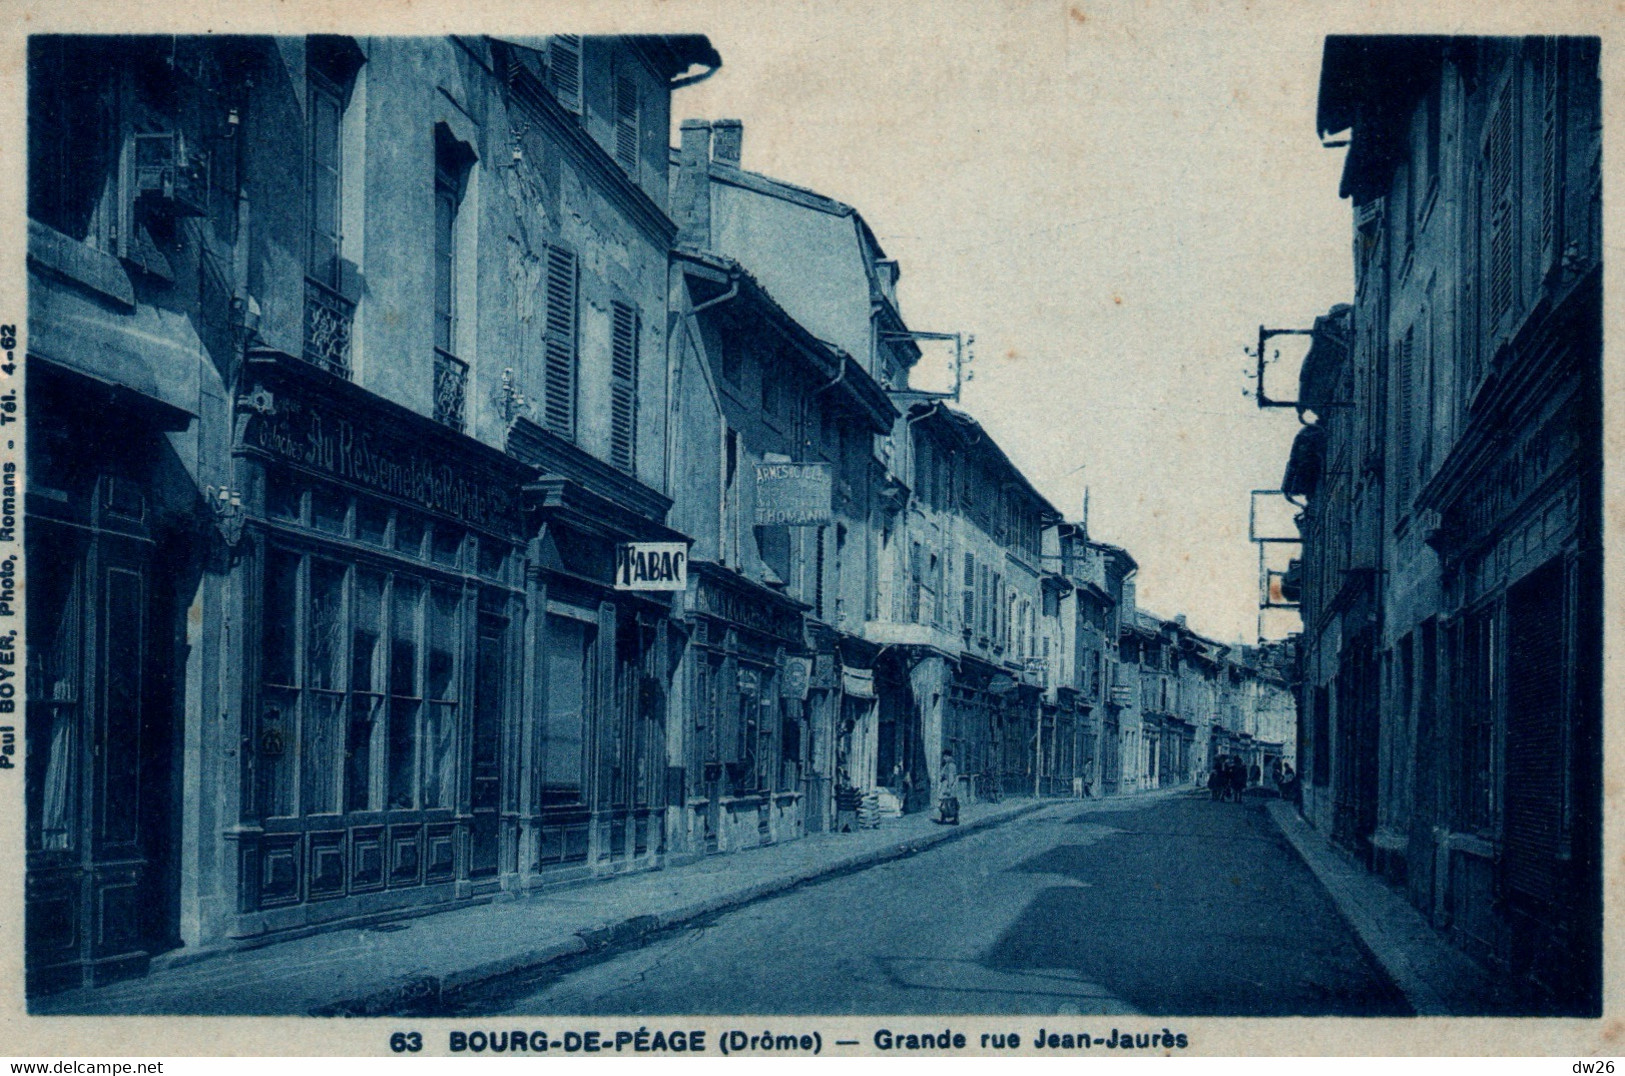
x,y
1254,774
948,791
1088,778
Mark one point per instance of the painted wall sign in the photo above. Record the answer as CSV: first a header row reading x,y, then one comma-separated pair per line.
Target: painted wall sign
x,y
651,566
794,494
312,437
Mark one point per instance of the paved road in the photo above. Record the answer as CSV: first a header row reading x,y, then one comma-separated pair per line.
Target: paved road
x,y
1175,906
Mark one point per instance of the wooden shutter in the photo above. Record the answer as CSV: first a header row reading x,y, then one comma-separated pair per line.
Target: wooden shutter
x,y
564,69
623,388
559,375
626,124
1405,416
1500,168
1535,763
1551,156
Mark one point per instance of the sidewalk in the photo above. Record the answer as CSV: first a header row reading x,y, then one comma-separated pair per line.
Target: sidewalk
x,y
386,968
1437,978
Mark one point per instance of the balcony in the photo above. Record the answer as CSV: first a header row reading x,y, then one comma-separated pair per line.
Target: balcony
x,y
329,319
450,389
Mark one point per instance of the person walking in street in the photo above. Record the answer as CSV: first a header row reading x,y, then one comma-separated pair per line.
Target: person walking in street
x,y
1088,778
948,791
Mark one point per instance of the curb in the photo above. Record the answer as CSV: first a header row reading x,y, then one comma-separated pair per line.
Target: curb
x,y
1401,958
433,992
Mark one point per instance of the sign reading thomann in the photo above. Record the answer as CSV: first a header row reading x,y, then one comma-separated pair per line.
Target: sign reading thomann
x,y
793,494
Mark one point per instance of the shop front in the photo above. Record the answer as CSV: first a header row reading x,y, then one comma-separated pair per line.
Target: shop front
x,y
746,743
380,588
596,777
116,547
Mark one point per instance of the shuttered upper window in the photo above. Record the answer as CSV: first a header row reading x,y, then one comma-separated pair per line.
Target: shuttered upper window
x,y
623,388
626,124
559,374
1500,168
1405,418
564,70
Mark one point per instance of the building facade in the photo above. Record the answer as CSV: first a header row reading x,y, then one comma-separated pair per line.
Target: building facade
x,y
1450,483
390,409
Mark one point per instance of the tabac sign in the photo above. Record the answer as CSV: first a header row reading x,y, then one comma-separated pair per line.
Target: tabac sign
x,y
651,566
794,494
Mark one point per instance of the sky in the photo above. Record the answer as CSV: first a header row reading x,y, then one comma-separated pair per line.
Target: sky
x,y
1112,198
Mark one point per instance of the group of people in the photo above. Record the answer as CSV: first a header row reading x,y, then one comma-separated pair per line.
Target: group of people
x,y
1231,776
1228,779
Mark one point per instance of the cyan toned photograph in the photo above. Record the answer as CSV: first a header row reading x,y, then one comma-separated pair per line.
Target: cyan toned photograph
x,y
1000,522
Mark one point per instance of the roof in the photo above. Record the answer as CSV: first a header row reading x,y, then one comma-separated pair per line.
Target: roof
x,y
1368,84
811,199
970,433
861,390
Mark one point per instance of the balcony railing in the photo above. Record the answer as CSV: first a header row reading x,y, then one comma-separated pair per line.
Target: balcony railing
x,y
329,318
450,389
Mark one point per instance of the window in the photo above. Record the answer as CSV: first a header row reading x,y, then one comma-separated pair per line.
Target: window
x,y
564,70
325,127
571,672
969,621
1500,209
626,124
623,387
343,677
445,221
559,373
914,582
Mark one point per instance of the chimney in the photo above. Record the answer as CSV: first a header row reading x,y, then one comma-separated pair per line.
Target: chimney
x,y
691,201
729,136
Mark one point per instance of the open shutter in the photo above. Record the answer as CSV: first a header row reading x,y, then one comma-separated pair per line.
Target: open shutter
x,y
559,395
623,389
564,69
1500,166
626,124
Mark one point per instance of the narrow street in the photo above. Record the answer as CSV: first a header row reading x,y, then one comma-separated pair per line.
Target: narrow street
x,y
1168,906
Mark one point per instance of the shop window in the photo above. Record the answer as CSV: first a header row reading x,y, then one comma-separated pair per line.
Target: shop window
x,y
493,560
55,609
367,664
447,545
409,533
406,610
329,510
441,692
371,522
571,667
284,499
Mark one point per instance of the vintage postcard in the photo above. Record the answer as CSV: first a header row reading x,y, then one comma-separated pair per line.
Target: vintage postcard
x,y
1063,529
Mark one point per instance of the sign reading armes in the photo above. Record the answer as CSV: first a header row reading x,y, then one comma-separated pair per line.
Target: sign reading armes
x,y
651,566
793,494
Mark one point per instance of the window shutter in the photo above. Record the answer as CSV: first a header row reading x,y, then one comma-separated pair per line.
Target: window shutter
x,y
1500,168
559,395
623,388
1550,161
564,69
626,124
1405,416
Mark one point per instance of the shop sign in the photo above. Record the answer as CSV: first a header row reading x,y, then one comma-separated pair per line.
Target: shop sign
x,y
651,566
826,673
794,494
796,678
382,461
859,683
